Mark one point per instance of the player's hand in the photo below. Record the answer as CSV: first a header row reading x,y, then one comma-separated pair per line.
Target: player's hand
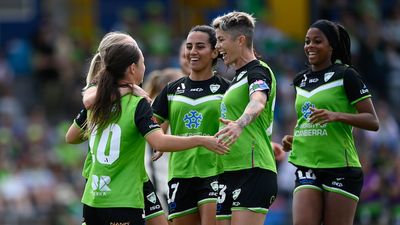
x,y
212,144
321,116
287,141
278,151
138,91
156,155
230,133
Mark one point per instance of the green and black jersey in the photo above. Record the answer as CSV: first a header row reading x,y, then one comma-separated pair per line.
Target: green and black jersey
x,y
192,108
117,172
253,148
337,89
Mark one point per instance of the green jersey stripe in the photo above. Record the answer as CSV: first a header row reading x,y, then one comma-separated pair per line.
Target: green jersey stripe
x,y
194,102
327,86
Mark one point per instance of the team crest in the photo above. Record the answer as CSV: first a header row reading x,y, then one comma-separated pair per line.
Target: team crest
x,y
328,76
214,87
240,75
236,193
152,197
214,185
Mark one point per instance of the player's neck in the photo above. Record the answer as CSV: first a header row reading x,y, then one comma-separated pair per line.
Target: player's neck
x,y
200,75
246,57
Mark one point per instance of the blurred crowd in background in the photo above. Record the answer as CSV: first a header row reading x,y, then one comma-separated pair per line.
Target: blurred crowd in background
x,y
42,72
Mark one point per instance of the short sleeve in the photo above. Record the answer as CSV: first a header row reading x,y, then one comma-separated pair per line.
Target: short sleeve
x,y
160,104
354,87
259,80
144,119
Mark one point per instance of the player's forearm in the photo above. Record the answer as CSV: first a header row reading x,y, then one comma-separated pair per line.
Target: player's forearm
x,y
169,143
252,111
365,121
89,97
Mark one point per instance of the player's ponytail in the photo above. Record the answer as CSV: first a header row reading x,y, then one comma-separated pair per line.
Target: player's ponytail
x,y
343,51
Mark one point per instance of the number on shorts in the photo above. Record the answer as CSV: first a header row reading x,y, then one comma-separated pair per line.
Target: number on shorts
x,y
307,175
175,187
221,193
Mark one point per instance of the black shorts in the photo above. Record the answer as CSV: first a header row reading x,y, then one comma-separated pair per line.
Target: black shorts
x,y
186,194
252,189
346,181
107,216
152,205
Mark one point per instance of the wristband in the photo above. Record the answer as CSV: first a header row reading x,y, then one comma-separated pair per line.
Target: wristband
x,y
80,119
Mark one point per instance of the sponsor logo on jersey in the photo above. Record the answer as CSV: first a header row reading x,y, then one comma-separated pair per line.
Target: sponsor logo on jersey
x,y
196,89
214,87
100,184
314,80
192,119
236,193
305,109
180,89
240,75
328,76
152,197
224,110
303,81
364,90
154,124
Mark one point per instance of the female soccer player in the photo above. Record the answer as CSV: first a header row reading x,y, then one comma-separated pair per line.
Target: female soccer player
x,y
331,99
248,184
118,127
191,106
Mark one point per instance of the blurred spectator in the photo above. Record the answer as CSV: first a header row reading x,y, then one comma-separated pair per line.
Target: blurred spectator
x,y
41,78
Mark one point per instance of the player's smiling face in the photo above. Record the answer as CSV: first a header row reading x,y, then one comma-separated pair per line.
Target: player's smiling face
x,y
199,51
317,49
227,46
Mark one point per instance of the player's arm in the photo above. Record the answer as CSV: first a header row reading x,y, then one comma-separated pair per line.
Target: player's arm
x,y
150,129
358,95
170,143
75,133
231,132
365,118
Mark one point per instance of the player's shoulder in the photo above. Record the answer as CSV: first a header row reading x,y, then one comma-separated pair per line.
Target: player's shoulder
x,y
259,67
173,85
221,80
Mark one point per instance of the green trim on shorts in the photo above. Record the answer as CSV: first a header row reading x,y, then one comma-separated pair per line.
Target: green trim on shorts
x,y
224,217
307,187
253,209
207,200
151,216
341,192
184,213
